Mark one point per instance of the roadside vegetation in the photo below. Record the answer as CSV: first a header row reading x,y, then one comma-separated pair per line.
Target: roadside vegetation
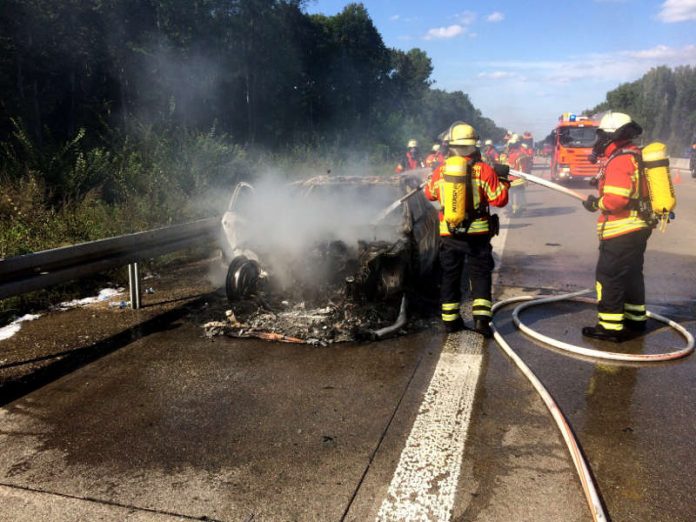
x,y
117,116
663,101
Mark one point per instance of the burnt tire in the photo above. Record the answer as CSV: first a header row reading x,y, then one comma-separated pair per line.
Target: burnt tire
x,y
242,278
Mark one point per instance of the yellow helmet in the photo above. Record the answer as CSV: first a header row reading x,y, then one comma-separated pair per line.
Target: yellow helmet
x,y
436,147
462,135
412,144
514,139
488,142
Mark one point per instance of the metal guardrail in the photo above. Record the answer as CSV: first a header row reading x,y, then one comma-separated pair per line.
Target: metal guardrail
x,y
22,274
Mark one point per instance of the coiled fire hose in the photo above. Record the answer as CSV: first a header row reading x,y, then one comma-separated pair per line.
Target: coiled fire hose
x,y
589,488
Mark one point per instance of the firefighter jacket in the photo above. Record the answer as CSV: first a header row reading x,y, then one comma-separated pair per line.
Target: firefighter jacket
x,y
410,162
518,159
430,160
491,155
619,192
434,160
486,190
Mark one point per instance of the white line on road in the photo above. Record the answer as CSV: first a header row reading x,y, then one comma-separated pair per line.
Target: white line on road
x,y
425,481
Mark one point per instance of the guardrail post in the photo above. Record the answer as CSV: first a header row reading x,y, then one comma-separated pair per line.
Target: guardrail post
x,y
134,285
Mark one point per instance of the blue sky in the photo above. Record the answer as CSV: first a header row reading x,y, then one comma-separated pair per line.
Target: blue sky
x,y
525,63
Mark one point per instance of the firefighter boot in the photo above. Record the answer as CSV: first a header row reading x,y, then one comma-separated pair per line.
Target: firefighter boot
x,y
601,333
635,326
454,326
483,326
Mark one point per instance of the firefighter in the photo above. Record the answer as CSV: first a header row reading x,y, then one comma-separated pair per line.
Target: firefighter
x,y
431,160
465,186
528,140
518,159
490,154
411,159
623,233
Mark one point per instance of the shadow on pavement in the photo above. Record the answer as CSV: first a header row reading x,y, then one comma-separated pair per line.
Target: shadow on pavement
x,y
70,360
512,227
547,211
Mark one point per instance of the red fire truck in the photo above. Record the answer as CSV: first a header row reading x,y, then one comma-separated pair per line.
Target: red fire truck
x,y
573,138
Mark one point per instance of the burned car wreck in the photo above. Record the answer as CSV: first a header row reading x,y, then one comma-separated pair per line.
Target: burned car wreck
x,y
317,261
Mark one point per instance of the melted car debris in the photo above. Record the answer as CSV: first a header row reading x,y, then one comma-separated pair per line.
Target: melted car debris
x,y
341,290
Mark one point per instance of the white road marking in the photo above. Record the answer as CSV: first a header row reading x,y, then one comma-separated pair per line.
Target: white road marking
x,y
424,485
425,480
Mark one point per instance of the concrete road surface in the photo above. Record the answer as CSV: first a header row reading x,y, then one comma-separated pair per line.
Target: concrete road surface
x,y
152,421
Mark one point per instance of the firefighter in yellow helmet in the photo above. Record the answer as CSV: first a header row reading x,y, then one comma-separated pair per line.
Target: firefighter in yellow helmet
x,y
518,159
623,233
465,187
431,160
490,154
411,159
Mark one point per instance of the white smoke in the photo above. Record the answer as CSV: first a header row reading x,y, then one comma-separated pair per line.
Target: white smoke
x,y
284,224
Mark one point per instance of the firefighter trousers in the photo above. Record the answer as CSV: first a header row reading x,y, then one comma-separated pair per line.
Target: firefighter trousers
x,y
518,198
456,255
620,284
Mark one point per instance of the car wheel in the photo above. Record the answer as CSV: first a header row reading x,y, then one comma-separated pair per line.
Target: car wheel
x,y
242,278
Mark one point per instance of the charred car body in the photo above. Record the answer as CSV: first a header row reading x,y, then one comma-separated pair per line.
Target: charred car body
x,y
309,261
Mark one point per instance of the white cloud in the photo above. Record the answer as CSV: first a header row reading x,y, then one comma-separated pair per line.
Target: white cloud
x,y
444,32
531,94
665,53
620,66
395,17
463,21
497,75
678,11
465,17
495,16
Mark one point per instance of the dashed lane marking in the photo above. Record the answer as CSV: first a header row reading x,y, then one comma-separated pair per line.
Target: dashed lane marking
x,y
424,485
425,481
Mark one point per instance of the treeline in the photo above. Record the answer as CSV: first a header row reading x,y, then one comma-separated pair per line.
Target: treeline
x,y
663,101
117,115
262,71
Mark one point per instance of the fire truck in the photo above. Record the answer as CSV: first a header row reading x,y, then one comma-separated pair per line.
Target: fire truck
x,y
572,140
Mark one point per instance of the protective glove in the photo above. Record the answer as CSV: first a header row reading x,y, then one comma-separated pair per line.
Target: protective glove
x,y
591,203
502,171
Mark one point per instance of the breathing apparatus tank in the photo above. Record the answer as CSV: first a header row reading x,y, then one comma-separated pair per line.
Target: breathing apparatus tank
x,y
660,189
454,175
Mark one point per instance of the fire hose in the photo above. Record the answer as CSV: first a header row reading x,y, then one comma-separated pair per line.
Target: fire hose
x,y
581,466
548,184
589,488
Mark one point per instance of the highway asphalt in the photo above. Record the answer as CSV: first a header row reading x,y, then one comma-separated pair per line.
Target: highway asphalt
x,y
141,417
